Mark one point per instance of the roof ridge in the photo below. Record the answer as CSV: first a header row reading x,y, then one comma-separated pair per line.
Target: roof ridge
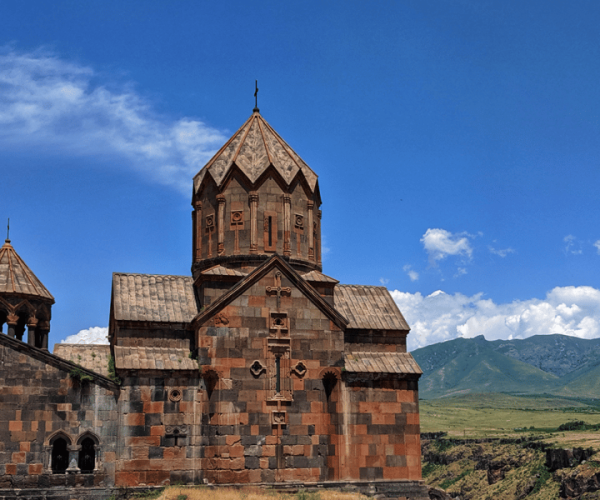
x,y
117,273
363,286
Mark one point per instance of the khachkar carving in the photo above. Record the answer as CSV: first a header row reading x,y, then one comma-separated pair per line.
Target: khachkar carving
x,y
210,229
253,199
278,290
237,223
287,200
221,227
197,215
311,240
279,354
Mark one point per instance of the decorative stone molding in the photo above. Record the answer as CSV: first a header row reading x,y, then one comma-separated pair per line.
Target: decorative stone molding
x,y
175,395
257,368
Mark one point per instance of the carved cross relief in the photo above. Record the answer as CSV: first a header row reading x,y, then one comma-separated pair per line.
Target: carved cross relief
x,y
278,290
279,354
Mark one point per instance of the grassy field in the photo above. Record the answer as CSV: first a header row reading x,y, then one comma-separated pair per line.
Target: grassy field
x,y
489,415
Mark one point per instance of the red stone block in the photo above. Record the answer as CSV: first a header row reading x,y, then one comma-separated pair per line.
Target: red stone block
x,y
157,430
154,407
157,477
127,479
136,419
15,425
11,469
18,457
24,446
36,469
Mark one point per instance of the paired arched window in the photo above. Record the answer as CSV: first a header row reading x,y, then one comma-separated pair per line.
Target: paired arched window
x,y
63,455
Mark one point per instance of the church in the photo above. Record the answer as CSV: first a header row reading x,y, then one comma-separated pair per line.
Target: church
x,y
257,368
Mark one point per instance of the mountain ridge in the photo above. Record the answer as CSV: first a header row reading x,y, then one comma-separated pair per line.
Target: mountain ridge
x,y
542,364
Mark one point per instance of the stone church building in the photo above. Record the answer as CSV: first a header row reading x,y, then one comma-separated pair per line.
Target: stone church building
x,y
257,368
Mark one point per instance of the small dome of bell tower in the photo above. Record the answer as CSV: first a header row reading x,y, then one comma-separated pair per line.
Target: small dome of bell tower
x,y
254,198
24,300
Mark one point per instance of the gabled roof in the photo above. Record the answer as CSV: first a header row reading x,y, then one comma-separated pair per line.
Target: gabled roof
x,y
153,358
273,262
154,298
91,356
317,277
381,362
369,308
223,271
253,148
17,279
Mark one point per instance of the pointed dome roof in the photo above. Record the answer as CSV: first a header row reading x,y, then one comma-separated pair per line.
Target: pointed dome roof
x,y
16,278
253,148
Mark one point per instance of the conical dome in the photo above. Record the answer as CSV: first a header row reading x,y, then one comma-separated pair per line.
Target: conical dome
x,y
16,279
253,149
256,197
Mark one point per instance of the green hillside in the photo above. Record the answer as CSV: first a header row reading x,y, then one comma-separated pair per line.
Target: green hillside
x,y
550,364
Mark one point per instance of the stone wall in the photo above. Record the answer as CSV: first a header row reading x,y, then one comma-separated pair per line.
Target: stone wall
x,y
41,401
159,443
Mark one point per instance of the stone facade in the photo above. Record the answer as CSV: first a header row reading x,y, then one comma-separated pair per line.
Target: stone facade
x,y
257,369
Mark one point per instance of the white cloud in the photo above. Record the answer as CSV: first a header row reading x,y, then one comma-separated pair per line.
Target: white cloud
x,y
500,252
412,274
597,245
572,245
59,105
440,243
437,317
93,335
384,281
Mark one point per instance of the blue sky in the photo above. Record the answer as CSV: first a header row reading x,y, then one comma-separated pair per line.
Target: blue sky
x,y
456,143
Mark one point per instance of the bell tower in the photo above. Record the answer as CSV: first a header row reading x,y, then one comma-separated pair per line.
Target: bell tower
x,y
24,300
254,198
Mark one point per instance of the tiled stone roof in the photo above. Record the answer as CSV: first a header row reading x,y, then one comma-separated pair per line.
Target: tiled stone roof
x,y
381,362
316,276
91,356
17,278
153,358
369,308
154,298
223,271
253,148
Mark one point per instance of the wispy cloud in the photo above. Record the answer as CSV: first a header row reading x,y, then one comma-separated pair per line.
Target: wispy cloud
x,y
500,252
597,245
440,316
440,243
384,281
412,274
461,271
69,109
572,245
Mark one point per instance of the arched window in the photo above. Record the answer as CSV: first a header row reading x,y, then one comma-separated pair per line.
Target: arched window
x,y
60,455
87,456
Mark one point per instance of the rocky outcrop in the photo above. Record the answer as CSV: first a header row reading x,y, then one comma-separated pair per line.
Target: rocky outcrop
x,y
438,494
560,458
574,483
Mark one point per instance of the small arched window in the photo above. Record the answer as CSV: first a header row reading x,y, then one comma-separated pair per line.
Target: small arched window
x,y
60,455
87,456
